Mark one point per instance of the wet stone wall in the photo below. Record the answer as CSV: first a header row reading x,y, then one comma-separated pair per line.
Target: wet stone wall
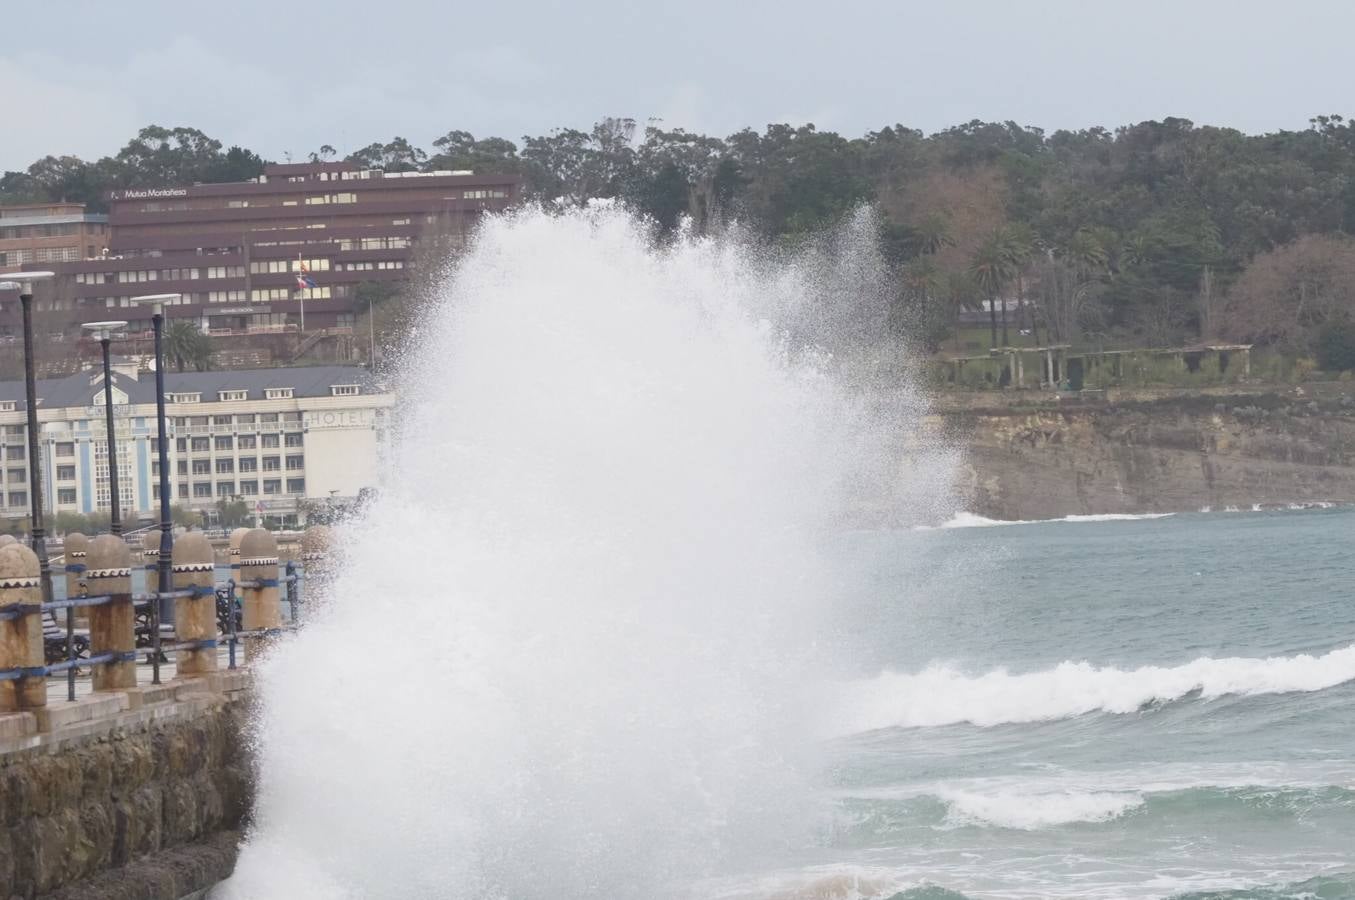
x,y
149,807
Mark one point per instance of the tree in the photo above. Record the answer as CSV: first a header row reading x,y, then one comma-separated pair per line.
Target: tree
x,y
1291,295
233,512
398,155
186,345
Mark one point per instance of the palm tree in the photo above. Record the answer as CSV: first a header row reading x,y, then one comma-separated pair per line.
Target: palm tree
x,y
992,268
187,345
931,234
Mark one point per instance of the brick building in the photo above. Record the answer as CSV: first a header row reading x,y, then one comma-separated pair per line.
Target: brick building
x,y
235,251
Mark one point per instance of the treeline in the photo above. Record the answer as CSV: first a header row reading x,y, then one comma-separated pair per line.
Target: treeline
x,y
1156,233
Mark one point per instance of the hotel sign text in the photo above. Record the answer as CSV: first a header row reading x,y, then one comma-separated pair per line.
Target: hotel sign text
x,y
338,418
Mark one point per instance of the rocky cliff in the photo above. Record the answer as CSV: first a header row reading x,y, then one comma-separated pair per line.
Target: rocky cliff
x,y
1143,453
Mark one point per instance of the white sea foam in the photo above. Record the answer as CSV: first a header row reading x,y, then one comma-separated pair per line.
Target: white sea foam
x,y
973,520
1029,811
943,695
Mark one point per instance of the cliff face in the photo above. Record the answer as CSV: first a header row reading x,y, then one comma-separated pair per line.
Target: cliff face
x,y
1156,455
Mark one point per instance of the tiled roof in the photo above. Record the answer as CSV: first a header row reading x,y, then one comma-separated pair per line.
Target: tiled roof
x,y
305,381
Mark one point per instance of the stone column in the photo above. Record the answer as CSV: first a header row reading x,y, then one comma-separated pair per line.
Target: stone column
x,y
150,555
195,617
112,626
77,550
259,564
237,536
317,544
21,637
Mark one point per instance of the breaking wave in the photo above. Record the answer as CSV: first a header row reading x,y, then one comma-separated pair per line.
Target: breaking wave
x,y
942,695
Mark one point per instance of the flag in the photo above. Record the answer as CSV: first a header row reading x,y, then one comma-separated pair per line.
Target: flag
x,y
303,274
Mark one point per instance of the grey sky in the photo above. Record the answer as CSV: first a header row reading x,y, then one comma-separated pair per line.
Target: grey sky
x,y
284,77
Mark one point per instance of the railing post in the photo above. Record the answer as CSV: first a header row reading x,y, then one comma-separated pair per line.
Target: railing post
x,y
77,551
112,625
259,568
195,617
316,546
21,637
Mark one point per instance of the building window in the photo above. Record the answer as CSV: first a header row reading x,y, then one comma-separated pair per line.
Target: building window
x,y
14,430
293,439
65,495
7,406
65,473
18,476
18,498
249,464
181,444
296,485
271,463
225,466
295,462
65,450
202,467
249,488
268,418
181,466
191,397
225,488
343,390
247,441
225,442
245,419
16,452
183,491
155,491
269,441
201,444
272,486
202,489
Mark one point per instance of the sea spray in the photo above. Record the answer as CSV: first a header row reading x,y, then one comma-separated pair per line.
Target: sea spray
x,y
570,646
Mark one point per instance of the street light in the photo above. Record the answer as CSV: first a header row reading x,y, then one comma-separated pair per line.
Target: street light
x,y
104,332
164,611
25,281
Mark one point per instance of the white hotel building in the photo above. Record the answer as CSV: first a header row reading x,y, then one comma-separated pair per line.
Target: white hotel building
x,y
270,437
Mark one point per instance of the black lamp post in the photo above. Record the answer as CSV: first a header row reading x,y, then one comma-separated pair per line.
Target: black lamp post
x,y
164,561
25,281
104,332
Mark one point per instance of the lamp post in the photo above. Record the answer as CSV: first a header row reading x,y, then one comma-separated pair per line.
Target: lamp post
x,y
25,282
104,332
164,609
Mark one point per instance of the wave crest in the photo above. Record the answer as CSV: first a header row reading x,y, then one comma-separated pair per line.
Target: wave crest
x,y
941,695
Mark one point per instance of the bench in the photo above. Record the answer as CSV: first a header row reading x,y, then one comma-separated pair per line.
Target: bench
x,y
54,640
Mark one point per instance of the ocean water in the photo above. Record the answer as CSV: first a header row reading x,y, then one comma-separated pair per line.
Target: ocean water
x,y
608,632
1105,707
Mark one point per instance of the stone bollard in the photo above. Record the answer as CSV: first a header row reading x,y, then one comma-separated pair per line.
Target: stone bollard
x,y
21,637
259,563
317,544
7,539
77,553
237,536
150,555
195,617
112,625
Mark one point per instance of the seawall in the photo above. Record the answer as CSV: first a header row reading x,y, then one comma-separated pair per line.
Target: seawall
x,y
1030,456
143,799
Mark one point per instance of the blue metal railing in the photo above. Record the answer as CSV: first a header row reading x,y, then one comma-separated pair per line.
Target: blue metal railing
x,y
291,581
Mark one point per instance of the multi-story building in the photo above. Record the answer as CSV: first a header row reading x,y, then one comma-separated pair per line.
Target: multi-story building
x,y
42,234
235,252
273,438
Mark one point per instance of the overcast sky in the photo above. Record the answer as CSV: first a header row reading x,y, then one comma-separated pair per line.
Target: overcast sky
x,y
284,77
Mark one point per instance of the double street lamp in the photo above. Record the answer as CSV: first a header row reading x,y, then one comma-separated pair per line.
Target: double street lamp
x,y
104,332
24,281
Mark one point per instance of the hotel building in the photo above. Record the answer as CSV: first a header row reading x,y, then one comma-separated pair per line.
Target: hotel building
x,y
233,251
270,437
